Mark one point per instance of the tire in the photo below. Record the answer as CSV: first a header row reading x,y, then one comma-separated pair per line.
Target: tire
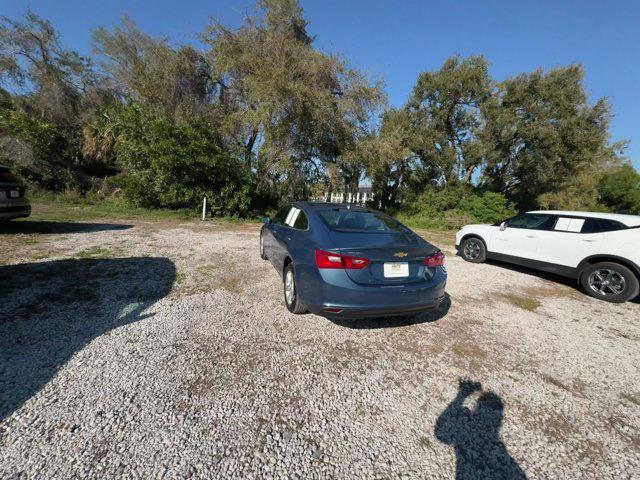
x,y
473,250
610,281
294,305
262,254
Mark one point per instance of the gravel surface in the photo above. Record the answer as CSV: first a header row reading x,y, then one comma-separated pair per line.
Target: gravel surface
x,y
164,350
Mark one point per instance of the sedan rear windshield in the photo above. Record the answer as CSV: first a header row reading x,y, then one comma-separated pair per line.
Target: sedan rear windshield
x,y
361,221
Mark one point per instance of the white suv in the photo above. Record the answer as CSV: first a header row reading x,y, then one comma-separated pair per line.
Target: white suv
x,y
600,250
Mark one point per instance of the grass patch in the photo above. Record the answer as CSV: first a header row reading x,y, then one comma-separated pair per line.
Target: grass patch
x,y
92,252
30,241
468,351
425,442
72,207
631,398
180,278
521,301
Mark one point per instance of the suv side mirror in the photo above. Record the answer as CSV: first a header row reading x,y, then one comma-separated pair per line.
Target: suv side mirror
x,y
265,220
503,226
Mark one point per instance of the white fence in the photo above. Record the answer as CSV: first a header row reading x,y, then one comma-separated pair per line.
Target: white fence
x,y
357,198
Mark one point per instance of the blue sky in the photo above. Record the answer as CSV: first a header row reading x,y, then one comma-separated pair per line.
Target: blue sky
x,y
396,40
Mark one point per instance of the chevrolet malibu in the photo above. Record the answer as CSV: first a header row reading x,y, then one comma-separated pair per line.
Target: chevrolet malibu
x,y
347,261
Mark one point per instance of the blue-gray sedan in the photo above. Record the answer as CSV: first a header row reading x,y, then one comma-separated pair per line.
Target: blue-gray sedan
x,y
351,262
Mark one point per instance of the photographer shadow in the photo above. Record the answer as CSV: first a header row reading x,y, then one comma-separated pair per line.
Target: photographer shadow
x,y
475,436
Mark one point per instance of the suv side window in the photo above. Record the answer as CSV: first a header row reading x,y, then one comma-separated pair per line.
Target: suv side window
x,y
600,225
281,215
532,221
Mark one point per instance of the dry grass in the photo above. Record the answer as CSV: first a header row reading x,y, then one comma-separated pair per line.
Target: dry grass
x,y
522,301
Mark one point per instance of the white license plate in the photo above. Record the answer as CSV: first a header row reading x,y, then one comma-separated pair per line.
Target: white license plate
x,y
396,269
15,194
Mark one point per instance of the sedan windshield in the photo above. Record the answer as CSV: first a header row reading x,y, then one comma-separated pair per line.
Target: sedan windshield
x,y
361,221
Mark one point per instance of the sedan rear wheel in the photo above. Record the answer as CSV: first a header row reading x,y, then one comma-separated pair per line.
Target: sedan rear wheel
x,y
262,254
473,250
610,282
294,305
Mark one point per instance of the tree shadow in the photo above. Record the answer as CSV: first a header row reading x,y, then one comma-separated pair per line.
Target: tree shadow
x,y
398,320
51,310
475,436
30,226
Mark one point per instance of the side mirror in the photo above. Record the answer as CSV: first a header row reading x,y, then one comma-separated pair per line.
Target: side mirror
x,y
265,220
503,226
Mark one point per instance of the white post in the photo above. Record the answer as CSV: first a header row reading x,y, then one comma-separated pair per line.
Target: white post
x,y
204,209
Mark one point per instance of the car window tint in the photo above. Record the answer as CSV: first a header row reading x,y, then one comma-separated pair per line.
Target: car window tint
x,y
361,221
532,221
8,177
599,225
282,215
565,224
301,223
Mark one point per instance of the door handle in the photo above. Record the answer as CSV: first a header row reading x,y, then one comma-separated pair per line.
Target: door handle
x,y
531,236
288,237
588,241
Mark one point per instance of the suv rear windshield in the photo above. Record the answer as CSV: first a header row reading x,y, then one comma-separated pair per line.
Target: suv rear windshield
x,y
361,221
8,177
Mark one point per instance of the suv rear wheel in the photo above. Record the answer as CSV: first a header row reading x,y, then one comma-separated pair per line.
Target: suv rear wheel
x,y
473,250
610,282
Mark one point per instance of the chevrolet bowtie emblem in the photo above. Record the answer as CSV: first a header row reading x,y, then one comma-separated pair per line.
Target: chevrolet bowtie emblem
x,y
400,254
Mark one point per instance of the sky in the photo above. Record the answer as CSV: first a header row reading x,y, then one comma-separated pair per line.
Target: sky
x,y
396,40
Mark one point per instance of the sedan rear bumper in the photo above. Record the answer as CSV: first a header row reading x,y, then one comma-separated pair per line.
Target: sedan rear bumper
x,y
345,299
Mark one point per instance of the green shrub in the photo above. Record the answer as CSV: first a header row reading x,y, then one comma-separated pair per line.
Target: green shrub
x,y
169,165
451,208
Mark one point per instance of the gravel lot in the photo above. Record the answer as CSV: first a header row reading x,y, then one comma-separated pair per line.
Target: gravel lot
x,y
164,350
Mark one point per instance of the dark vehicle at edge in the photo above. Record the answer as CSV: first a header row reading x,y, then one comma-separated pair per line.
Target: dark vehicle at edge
x,y
346,261
13,203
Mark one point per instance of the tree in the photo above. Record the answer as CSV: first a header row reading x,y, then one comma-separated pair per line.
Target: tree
x,y
540,132
620,190
52,91
444,109
289,110
179,81
170,165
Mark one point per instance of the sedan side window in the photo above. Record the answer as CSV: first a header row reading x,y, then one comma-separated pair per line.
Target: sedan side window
x,y
282,214
302,222
531,221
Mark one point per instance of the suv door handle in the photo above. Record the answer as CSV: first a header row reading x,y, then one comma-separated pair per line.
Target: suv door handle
x,y
589,241
531,236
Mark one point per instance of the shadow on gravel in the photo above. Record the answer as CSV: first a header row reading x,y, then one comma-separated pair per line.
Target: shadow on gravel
x,y
397,321
475,436
29,226
50,310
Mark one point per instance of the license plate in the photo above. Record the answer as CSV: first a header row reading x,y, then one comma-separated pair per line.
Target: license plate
x,y
396,270
15,194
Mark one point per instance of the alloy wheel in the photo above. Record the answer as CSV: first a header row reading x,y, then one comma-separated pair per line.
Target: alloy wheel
x,y
607,282
472,250
289,288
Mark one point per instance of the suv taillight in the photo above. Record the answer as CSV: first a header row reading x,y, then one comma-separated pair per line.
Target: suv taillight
x,y
435,260
335,260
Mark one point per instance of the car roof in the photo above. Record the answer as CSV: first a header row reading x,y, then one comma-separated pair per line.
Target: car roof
x,y
628,220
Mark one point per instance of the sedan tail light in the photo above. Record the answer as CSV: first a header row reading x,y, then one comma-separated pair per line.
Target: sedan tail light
x,y
335,260
435,260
